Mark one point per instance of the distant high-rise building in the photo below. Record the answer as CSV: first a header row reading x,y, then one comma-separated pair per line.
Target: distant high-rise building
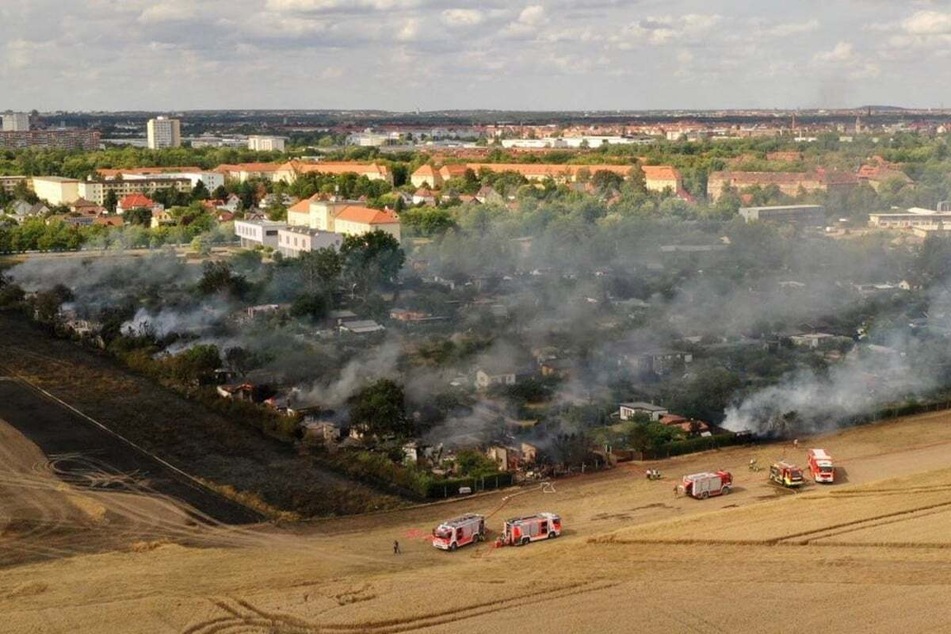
x,y
164,132
16,122
266,143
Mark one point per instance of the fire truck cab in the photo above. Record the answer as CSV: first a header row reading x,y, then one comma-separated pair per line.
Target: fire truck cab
x,y
519,531
785,474
459,531
820,466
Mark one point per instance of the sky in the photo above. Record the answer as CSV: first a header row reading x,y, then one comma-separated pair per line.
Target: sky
x,y
403,55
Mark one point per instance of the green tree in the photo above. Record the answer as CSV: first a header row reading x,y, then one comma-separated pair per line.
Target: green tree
x,y
371,259
111,201
200,191
218,277
197,364
138,216
380,409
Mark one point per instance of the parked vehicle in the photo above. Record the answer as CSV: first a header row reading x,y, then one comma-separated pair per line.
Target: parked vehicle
x,y
519,531
786,474
821,466
459,531
704,485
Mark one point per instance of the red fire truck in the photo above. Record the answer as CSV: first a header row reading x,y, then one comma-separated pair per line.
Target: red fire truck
x,y
459,531
785,474
704,485
820,466
519,531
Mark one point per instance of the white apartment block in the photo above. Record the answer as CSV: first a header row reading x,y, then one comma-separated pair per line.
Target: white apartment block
x,y
163,132
261,143
56,190
253,233
96,191
16,122
293,241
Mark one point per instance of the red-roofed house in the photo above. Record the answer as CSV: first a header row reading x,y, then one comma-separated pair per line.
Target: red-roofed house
x,y
288,172
878,170
345,217
136,201
426,176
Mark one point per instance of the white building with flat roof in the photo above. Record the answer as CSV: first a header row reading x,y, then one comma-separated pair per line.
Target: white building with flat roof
x,y
56,190
293,241
163,132
253,233
16,122
261,143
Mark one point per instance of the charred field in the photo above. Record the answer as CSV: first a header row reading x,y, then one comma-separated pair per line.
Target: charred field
x,y
267,476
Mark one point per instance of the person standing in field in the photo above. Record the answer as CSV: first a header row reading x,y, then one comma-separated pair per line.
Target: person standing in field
x,y
396,548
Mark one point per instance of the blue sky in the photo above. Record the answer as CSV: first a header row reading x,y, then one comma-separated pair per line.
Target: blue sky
x,y
504,54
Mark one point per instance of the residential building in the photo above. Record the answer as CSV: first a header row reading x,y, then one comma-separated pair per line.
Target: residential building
x,y
914,218
262,143
361,327
426,176
163,132
292,241
137,201
801,215
878,171
211,179
96,191
59,139
16,122
242,172
253,233
288,172
657,178
343,217
789,183
57,190
627,411
8,184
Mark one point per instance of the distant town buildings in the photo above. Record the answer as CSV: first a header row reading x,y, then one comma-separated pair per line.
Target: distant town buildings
x,y
789,183
54,139
801,215
16,122
656,177
266,143
163,132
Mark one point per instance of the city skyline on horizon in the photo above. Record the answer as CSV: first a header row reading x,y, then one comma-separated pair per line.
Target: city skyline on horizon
x,y
536,56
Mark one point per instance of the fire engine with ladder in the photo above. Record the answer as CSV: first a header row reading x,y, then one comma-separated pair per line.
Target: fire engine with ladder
x,y
459,531
519,531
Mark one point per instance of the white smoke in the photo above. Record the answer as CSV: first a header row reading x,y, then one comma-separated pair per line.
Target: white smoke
x,y
808,401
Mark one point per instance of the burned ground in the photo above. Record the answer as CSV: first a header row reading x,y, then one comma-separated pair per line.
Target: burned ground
x,y
203,443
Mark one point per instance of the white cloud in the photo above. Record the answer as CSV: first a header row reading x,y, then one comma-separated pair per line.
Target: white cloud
x,y
792,28
843,52
928,23
462,17
659,31
532,15
409,31
167,12
317,6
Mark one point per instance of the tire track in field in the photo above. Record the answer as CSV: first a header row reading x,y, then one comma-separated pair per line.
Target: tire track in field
x,y
241,616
